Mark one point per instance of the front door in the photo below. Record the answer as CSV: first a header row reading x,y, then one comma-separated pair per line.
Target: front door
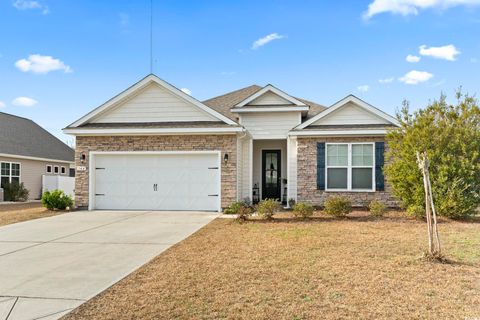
x,y
271,174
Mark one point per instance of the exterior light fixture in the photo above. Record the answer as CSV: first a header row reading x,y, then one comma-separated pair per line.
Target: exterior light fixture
x,y
225,158
83,157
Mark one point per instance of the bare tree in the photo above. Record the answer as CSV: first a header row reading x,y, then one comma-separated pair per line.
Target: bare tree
x,y
434,248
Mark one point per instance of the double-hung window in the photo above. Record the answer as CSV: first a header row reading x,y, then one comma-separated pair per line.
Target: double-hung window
x,y
350,166
9,172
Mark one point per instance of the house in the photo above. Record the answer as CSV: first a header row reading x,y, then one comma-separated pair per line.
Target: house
x,y
27,151
154,147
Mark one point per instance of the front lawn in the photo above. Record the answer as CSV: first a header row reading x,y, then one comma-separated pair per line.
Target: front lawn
x,y
18,212
290,269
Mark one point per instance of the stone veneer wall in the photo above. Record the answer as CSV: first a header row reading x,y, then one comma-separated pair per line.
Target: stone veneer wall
x,y
307,175
224,143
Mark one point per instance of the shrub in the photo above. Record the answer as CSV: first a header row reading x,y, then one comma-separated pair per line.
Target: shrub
x,y
266,208
303,210
337,206
233,208
56,200
15,191
377,208
243,213
450,135
242,209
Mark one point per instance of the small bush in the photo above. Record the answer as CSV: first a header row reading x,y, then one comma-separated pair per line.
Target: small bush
x,y
377,208
266,208
233,208
337,206
243,213
56,200
303,210
242,209
15,191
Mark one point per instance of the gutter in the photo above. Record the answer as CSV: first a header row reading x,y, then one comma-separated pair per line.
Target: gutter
x,y
149,131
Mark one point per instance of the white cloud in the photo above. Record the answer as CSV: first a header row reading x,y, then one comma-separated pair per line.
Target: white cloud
x,y
263,41
412,58
409,7
24,102
416,77
41,64
386,80
448,52
363,88
2,104
30,5
187,91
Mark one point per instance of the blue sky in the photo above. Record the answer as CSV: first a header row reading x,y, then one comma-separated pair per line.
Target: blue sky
x,y
60,59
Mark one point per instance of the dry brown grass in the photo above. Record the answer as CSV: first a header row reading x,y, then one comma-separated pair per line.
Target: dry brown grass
x,y
18,212
322,268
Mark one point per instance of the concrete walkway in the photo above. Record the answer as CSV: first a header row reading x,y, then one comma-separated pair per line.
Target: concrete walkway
x,y
50,266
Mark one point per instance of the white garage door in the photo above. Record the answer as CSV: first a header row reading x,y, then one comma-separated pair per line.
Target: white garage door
x,y
166,181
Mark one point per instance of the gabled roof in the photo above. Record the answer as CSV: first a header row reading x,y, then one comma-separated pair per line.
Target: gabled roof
x,y
23,137
357,101
224,103
115,101
270,88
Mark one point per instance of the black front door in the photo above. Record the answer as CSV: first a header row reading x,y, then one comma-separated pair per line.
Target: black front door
x,y
271,171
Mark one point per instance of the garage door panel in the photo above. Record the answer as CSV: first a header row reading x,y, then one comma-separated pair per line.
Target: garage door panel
x,y
183,181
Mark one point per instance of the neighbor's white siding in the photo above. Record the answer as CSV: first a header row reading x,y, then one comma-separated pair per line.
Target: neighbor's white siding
x,y
292,168
244,178
31,172
350,114
275,125
269,98
154,104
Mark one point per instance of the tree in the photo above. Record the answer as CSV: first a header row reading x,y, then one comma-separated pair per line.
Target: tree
x,y
449,135
434,248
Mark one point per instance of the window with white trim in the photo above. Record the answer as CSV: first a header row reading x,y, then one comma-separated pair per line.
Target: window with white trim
x,y
49,168
9,172
55,169
350,166
63,170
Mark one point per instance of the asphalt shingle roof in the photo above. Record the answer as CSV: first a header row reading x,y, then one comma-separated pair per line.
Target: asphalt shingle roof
x,y
23,137
224,103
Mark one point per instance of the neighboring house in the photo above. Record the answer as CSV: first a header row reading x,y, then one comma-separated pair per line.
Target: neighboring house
x,y
153,147
27,151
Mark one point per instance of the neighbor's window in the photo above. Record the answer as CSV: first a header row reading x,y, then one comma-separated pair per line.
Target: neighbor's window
x,y
55,169
349,166
49,168
9,172
63,170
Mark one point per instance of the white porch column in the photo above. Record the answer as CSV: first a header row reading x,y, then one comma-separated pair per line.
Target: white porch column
x,y
291,168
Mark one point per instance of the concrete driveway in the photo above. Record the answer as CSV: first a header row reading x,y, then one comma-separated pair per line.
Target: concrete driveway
x,y
51,265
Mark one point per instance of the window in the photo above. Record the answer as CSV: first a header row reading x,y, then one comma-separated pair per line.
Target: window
x,y
63,170
350,166
49,168
9,172
55,169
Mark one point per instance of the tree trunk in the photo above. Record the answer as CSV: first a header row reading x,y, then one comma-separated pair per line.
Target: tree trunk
x,y
423,165
435,227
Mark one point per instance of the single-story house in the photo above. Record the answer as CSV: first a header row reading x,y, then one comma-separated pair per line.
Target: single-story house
x,y
27,151
154,147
